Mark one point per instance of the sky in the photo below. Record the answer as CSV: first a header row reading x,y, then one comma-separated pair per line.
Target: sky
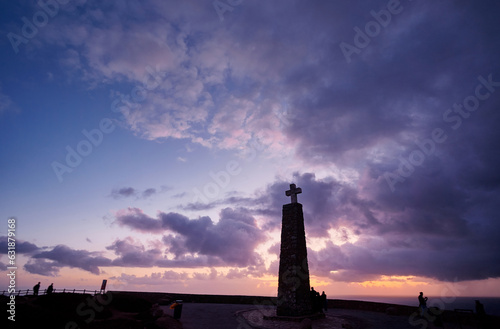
x,y
151,144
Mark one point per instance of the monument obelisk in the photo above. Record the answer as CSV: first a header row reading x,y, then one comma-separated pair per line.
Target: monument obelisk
x,y
293,283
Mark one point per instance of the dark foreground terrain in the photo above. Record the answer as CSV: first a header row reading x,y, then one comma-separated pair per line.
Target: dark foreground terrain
x,y
70,311
138,310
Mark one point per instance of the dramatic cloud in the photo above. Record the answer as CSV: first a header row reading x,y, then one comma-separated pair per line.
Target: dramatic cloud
x,y
232,239
401,235
136,219
134,254
42,267
61,256
371,232
22,247
290,83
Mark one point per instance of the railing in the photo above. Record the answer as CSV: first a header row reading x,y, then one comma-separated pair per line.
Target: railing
x,y
29,292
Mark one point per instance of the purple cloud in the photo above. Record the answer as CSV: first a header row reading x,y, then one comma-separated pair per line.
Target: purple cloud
x,y
232,239
135,218
127,192
62,255
22,247
123,192
43,267
132,254
148,192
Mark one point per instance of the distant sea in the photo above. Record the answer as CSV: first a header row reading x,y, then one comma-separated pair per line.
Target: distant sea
x,y
491,304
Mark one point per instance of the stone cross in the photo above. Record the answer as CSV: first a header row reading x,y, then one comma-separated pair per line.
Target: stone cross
x,y
293,191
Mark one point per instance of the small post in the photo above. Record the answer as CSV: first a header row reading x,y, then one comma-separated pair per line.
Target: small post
x,y
103,286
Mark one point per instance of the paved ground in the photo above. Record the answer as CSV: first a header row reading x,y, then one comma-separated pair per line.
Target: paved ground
x,y
337,319
210,316
237,316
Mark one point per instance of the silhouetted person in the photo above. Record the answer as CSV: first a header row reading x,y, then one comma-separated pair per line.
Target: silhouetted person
x,y
481,315
324,302
312,293
317,300
50,289
480,308
36,287
422,302
312,296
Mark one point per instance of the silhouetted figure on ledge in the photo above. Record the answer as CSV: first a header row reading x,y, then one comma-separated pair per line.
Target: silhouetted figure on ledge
x,y
316,301
422,303
324,302
319,306
480,308
36,287
482,318
50,289
312,293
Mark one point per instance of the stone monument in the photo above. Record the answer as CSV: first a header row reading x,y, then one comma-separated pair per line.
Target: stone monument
x,y
293,284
